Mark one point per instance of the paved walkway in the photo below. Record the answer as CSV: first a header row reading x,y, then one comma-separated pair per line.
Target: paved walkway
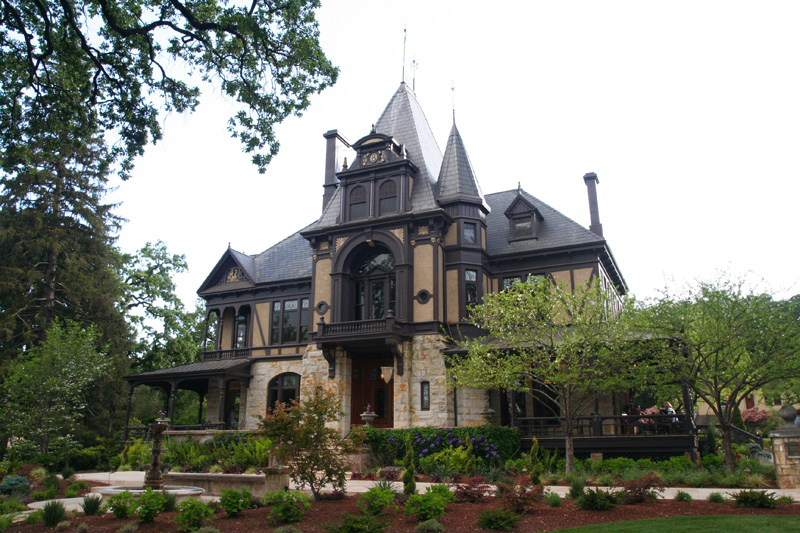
x,y
355,486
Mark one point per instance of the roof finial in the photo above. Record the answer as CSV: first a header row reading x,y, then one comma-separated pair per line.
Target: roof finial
x,y
404,53
373,129
453,89
229,245
414,66
519,188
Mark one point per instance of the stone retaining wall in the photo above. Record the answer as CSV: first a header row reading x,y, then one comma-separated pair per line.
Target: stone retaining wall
x,y
275,479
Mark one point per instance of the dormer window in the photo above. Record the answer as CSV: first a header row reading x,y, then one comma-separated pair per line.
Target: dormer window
x,y
358,203
523,220
387,197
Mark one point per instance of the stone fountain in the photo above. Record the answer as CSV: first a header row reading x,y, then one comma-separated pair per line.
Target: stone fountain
x,y
153,478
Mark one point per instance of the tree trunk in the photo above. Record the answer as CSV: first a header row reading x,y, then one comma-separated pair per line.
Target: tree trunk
x,y
727,439
570,449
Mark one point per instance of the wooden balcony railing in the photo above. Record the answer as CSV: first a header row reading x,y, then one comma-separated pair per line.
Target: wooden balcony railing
x,y
365,328
597,426
236,353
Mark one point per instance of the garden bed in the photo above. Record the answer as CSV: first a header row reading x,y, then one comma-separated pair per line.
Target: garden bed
x,y
461,517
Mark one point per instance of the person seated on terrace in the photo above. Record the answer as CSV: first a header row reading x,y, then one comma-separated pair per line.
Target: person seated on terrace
x,y
638,423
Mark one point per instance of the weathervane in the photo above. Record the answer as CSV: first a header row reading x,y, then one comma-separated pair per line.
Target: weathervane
x,y
404,53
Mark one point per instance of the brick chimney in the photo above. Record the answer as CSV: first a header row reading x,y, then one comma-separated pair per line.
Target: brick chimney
x,y
336,144
591,185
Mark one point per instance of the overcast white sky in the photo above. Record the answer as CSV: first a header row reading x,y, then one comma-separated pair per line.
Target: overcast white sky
x,y
689,112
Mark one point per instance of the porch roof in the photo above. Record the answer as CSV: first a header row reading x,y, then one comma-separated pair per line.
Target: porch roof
x,y
189,375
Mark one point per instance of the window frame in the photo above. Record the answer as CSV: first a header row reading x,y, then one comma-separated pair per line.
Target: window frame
x,y
279,388
355,198
279,327
474,227
392,194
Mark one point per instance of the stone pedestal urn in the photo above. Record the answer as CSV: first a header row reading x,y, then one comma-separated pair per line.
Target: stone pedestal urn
x,y
786,450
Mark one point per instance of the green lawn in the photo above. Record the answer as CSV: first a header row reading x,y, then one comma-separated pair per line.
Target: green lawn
x,y
696,524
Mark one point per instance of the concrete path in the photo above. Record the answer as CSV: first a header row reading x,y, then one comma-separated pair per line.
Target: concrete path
x,y
357,486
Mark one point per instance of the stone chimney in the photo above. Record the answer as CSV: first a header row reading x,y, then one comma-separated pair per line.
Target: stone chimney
x,y
591,184
336,144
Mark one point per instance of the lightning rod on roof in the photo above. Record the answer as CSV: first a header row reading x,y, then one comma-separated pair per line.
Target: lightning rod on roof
x,y
404,53
453,90
414,66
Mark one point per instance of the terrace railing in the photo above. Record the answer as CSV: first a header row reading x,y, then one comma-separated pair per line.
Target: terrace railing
x,y
218,355
598,426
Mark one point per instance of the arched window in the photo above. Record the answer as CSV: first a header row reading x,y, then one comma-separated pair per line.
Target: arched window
x,y
374,283
358,203
283,388
387,198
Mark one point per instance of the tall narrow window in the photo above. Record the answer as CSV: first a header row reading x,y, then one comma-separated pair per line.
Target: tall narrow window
x,y
387,197
470,232
304,317
290,321
240,331
358,203
425,395
471,285
275,330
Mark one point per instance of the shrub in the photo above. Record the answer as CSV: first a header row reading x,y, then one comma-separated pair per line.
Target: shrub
x,y
409,484
597,500
785,500
192,514
35,517
353,523
519,495
15,485
63,525
645,489
470,489
375,500
67,472
553,499
170,502
234,501
6,522
51,483
121,505
754,481
498,519
576,488
150,504
443,492
286,529
287,507
53,513
207,529
712,462
83,527
426,506
429,526
91,505
698,479
388,485
755,498
38,474
682,496
712,440
11,504
130,527
314,452
716,497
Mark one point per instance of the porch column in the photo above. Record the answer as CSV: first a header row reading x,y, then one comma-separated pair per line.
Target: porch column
x,y
221,406
205,331
235,329
200,409
218,340
173,390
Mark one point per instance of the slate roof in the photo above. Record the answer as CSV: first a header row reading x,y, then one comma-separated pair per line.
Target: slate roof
x,y
555,231
289,259
456,178
404,120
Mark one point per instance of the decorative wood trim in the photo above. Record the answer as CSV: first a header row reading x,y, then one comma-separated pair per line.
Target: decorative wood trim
x,y
399,233
340,242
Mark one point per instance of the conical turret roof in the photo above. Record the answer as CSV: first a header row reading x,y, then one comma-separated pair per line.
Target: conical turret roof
x,y
457,180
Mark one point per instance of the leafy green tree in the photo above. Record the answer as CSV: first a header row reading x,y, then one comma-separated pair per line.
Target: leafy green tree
x,y
569,342
731,341
44,389
127,60
314,452
169,335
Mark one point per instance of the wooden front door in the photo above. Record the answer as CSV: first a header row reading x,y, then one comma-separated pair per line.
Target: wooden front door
x,y
369,388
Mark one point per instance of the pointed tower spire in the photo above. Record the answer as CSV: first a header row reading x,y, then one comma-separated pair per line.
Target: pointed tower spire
x,y
457,180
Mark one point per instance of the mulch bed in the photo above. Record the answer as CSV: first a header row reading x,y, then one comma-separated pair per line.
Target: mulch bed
x,y
461,517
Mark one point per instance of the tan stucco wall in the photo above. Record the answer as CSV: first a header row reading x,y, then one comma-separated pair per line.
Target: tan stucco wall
x,y
582,275
322,288
261,335
226,335
451,237
562,276
452,296
423,280
439,296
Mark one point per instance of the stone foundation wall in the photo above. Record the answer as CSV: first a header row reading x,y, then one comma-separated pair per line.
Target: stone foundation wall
x,y
426,363
787,469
